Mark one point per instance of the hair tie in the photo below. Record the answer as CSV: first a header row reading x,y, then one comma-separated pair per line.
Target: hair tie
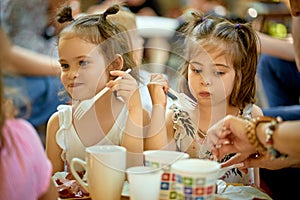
x,y
203,19
65,15
238,26
105,15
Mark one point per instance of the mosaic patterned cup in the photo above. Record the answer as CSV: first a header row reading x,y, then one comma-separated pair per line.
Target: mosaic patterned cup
x,y
163,159
195,179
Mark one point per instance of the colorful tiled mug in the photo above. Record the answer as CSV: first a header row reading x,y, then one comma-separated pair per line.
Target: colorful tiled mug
x,y
164,159
195,179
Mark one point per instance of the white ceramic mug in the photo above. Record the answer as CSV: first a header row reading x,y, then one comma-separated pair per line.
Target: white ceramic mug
x,y
105,166
195,178
144,182
163,159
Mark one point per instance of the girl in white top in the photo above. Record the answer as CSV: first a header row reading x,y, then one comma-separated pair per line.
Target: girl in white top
x,y
219,74
92,52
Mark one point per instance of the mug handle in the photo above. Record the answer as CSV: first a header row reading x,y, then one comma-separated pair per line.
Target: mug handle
x,y
75,174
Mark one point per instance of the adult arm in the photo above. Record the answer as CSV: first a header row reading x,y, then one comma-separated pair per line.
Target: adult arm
x,y
296,38
23,61
274,47
295,10
27,62
286,137
230,136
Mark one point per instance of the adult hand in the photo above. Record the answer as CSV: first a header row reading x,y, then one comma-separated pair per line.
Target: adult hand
x,y
158,87
229,135
261,161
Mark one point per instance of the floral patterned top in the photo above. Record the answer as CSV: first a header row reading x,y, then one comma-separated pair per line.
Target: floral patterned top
x,y
191,140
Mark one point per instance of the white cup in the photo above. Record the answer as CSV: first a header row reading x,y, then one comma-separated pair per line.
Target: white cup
x,y
105,167
163,159
144,182
195,178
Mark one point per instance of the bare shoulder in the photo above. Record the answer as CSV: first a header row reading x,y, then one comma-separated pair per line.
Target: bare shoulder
x,y
52,128
146,117
256,111
53,122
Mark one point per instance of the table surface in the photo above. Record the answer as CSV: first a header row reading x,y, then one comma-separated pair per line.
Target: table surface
x,y
225,191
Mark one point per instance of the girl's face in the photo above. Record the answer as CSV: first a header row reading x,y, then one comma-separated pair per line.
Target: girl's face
x,y
83,68
210,76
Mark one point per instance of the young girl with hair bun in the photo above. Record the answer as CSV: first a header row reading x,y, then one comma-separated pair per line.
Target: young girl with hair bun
x,y
219,74
93,51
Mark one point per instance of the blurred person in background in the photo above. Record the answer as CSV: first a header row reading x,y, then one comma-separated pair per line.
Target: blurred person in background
x,y
25,170
279,74
26,23
280,80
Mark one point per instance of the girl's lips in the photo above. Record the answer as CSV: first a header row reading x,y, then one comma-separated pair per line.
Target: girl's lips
x,y
72,85
204,94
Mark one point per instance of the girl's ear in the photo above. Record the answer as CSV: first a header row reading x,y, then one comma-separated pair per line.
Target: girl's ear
x,y
117,64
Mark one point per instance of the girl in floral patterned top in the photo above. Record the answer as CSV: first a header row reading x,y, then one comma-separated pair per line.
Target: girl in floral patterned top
x,y
219,74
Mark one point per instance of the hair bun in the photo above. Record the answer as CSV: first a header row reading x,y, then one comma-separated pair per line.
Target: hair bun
x,y
64,15
111,10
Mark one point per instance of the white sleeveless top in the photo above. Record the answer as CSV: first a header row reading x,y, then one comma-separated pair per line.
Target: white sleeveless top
x,y
69,141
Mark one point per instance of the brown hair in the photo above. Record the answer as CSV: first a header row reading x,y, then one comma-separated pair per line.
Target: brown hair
x,y
98,29
235,40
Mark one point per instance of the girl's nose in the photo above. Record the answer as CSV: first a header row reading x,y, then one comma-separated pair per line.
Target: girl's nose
x,y
205,81
74,74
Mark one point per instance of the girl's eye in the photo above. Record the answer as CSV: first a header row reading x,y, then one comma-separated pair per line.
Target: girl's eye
x,y
83,62
197,70
219,73
64,66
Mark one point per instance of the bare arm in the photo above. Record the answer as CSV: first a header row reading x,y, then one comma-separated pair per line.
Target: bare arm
x,y
230,134
274,47
156,138
23,61
160,133
286,138
27,62
133,135
295,10
52,149
296,38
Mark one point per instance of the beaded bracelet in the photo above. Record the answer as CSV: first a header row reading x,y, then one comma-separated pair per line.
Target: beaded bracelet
x,y
251,132
273,153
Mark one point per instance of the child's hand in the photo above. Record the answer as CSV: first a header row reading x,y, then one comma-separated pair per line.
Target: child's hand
x,y
125,87
158,87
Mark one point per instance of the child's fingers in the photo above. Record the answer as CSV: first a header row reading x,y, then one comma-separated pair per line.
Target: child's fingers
x,y
119,73
159,79
121,76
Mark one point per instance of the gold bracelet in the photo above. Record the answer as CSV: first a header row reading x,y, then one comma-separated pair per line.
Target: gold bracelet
x,y
251,134
251,131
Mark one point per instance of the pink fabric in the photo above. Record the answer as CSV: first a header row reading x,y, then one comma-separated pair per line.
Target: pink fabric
x,y
25,170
